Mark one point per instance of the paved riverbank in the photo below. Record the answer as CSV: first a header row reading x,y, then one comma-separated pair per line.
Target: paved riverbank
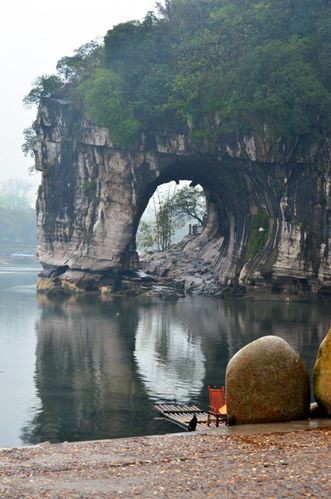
x,y
243,464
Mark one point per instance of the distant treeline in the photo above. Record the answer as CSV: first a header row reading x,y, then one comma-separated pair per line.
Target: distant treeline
x,y
17,218
210,67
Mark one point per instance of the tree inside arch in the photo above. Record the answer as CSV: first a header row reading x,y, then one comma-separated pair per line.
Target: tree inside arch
x,y
171,208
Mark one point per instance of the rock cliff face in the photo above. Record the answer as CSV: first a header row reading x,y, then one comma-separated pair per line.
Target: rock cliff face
x,y
268,231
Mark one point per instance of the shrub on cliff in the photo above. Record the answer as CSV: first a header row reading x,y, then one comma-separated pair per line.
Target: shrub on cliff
x,y
213,67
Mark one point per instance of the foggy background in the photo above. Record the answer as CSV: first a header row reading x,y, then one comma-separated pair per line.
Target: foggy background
x,y
34,36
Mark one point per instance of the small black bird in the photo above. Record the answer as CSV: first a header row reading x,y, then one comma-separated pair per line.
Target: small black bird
x,y
193,423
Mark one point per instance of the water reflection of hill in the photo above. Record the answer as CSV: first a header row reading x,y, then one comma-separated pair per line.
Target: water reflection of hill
x,y
100,365
85,373
169,360
223,327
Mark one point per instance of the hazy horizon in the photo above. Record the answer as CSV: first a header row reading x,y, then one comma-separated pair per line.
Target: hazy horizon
x,y
34,36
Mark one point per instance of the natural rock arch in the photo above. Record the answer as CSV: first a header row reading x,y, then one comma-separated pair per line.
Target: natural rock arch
x,y
190,170
268,227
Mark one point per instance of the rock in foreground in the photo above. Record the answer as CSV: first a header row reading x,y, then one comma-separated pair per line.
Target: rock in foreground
x,y
322,375
267,381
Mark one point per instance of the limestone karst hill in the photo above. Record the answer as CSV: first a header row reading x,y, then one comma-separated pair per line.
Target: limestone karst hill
x,y
234,96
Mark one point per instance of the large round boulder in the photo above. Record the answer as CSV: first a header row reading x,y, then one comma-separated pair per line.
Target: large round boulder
x,y
267,381
322,375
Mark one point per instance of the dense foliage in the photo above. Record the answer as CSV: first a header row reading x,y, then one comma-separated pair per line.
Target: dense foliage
x,y
212,66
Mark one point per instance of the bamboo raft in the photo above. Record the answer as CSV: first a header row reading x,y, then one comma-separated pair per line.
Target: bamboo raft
x,y
182,415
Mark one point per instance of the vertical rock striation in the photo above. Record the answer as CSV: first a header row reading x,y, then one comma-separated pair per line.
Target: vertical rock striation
x,y
268,231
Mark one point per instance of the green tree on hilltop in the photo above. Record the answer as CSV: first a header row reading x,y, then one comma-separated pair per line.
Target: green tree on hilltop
x,y
210,67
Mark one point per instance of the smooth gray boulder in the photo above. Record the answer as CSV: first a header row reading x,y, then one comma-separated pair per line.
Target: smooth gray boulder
x,y
267,381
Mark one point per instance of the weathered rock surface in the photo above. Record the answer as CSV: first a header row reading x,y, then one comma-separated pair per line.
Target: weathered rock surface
x,y
267,381
130,284
322,375
268,228
187,266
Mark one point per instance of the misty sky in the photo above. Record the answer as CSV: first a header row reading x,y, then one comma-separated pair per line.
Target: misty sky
x,y
35,34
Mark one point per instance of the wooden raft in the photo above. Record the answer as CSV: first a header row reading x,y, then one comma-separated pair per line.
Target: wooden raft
x,y
182,415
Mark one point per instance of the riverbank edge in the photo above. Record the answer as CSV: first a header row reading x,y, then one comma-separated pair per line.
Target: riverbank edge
x,y
223,430
268,459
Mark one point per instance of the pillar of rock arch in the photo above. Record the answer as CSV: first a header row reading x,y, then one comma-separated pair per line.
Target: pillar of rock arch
x,y
268,225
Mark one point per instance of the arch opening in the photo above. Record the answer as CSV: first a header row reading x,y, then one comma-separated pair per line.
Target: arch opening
x,y
199,254
175,210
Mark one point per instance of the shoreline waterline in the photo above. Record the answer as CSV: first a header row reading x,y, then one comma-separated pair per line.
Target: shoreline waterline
x,y
223,430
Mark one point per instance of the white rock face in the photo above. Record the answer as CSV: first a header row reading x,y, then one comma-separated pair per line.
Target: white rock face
x,y
268,230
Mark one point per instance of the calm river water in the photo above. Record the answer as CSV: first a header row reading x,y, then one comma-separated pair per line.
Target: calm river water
x,y
88,368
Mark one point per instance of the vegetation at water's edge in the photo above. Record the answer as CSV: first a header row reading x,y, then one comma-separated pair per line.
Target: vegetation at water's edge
x,y
210,66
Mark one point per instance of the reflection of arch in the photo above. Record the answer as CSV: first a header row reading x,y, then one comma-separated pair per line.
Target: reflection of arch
x,y
84,375
170,363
